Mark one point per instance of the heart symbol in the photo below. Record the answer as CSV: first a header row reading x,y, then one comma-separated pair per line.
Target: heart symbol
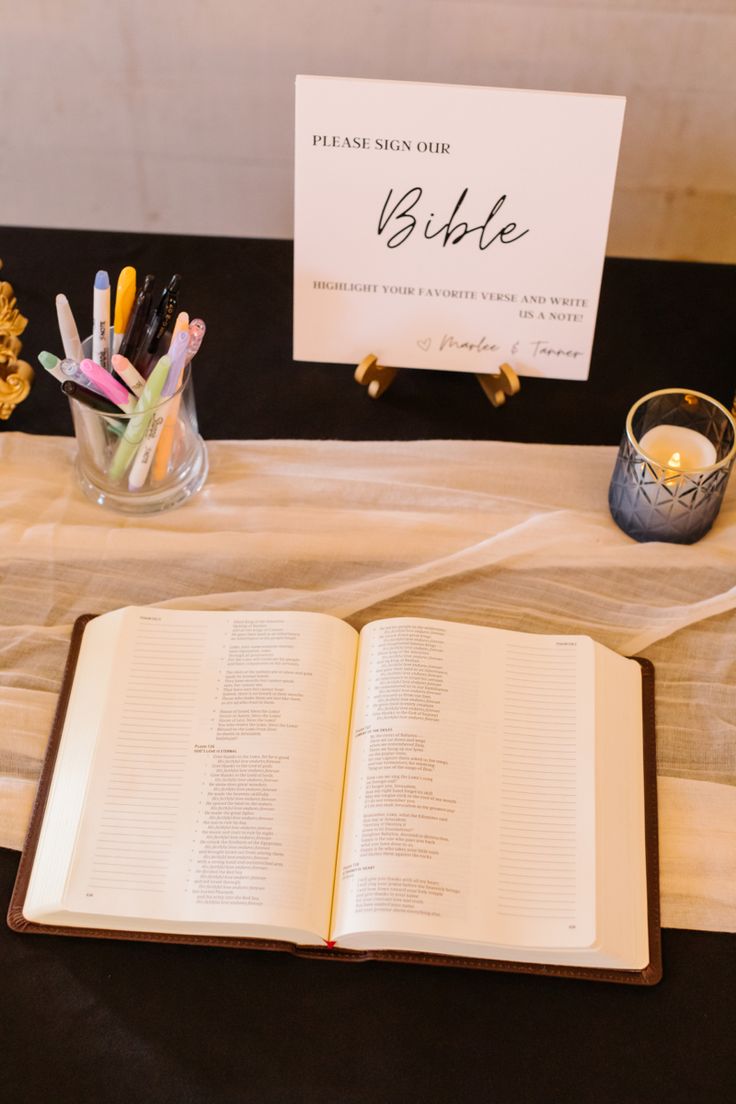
x,y
424,344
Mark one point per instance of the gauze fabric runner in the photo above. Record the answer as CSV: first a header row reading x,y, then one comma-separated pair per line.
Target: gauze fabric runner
x,y
517,536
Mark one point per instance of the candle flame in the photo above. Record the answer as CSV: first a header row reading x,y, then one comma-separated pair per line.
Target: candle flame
x,y
675,460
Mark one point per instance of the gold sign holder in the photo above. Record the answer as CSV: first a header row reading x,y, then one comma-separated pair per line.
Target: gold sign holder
x,y
16,376
377,378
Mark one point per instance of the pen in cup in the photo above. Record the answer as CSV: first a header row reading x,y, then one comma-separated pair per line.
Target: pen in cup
x,y
197,330
157,325
70,339
137,320
124,300
130,375
133,409
97,403
101,321
141,466
66,369
182,323
138,423
109,387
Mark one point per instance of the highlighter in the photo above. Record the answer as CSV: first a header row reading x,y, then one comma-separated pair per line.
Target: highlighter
x,y
62,370
197,331
94,401
109,387
101,321
124,299
177,356
68,329
182,323
67,369
138,423
130,376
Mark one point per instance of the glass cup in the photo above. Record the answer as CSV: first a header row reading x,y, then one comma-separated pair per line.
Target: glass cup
x,y
141,463
668,485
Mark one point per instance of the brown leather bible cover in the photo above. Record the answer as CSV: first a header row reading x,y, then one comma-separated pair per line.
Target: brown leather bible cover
x,y
650,975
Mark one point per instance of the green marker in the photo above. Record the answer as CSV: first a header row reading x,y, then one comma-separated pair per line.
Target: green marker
x,y
51,364
67,369
139,420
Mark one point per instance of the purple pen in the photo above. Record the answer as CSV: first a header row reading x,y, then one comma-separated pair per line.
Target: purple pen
x,y
178,355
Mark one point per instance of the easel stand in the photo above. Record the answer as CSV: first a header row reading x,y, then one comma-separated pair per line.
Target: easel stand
x,y
377,378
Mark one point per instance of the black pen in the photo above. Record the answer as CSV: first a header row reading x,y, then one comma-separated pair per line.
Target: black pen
x,y
138,319
89,398
158,324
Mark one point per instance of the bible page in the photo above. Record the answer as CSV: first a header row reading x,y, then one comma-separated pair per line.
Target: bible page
x,y
469,812
213,794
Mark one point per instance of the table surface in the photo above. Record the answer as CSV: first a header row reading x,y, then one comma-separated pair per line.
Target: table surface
x,y
110,1021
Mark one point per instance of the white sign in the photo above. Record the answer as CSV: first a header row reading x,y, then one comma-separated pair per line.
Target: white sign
x,y
440,226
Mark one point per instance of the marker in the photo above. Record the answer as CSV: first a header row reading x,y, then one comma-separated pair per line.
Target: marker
x,y
124,300
157,325
101,321
197,330
68,329
130,376
52,364
138,318
88,412
182,323
66,369
89,398
177,356
142,415
109,387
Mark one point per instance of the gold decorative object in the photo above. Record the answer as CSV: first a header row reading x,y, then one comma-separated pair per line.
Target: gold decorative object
x,y
16,376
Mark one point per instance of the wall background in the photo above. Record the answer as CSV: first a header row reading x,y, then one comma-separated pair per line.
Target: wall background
x,y
177,115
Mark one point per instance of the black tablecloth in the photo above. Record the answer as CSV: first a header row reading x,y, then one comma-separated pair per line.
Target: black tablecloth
x,y
660,325
87,1021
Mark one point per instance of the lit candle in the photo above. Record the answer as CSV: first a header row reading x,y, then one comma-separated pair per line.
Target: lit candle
x,y
678,448
668,482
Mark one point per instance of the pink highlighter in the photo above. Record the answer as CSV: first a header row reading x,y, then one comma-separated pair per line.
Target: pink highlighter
x,y
109,387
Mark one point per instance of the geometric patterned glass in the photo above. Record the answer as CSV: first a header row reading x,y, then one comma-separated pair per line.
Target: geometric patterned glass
x,y
651,502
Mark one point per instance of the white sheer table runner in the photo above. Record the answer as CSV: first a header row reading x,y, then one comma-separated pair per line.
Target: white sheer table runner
x,y
517,536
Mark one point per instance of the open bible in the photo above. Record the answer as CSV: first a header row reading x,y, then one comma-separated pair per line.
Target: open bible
x,y
421,790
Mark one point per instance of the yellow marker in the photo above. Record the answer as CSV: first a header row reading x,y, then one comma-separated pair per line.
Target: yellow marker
x,y
124,299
